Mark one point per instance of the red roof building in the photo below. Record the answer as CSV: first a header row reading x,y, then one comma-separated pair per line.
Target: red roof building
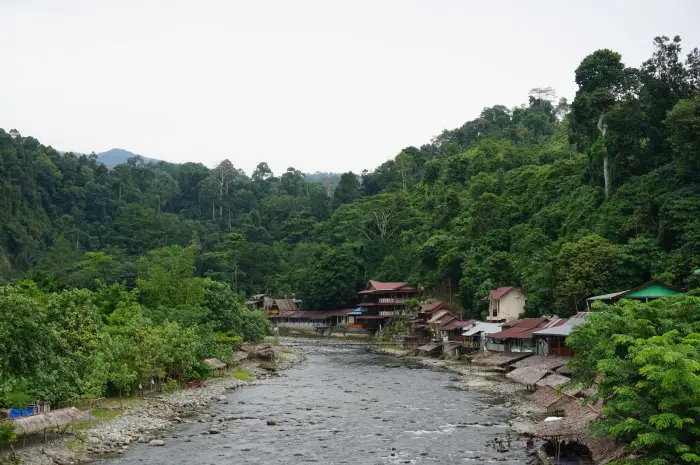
x,y
454,328
519,336
384,300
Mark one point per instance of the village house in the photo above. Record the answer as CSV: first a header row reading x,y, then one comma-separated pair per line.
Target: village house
x,y
452,331
273,306
476,335
439,319
552,340
646,292
516,336
260,302
382,301
505,304
420,330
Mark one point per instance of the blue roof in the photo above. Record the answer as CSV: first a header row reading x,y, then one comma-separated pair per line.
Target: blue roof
x,y
357,311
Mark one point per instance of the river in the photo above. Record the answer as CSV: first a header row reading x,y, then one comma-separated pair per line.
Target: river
x,y
344,407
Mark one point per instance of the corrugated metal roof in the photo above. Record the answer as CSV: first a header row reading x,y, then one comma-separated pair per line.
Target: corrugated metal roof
x,y
606,296
482,327
456,324
380,286
561,330
522,330
496,294
437,317
431,307
286,305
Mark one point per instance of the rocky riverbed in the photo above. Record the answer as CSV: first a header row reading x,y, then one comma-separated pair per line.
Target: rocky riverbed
x,y
527,414
150,420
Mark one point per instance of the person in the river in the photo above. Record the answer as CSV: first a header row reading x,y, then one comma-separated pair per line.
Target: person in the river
x,y
394,452
529,444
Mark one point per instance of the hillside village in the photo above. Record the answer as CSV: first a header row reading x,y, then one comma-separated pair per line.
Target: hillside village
x,y
531,352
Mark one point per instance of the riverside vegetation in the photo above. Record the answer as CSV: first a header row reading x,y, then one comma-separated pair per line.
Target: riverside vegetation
x,y
116,273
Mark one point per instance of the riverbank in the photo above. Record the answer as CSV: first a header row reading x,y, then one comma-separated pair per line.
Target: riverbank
x,y
527,414
149,420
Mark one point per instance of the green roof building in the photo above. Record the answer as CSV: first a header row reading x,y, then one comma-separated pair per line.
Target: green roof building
x,y
646,292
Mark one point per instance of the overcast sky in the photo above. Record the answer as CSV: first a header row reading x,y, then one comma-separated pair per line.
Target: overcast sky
x,y
314,84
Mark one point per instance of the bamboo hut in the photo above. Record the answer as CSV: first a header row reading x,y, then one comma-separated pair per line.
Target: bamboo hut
x,y
553,381
545,362
33,424
553,402
216,365
527,376
499,360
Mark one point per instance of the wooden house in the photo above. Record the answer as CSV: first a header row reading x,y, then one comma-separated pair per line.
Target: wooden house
x,y
382,301
216,366
552,340
517,336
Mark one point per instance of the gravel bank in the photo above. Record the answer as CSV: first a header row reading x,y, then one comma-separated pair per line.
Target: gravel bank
x,y
527,414
149,421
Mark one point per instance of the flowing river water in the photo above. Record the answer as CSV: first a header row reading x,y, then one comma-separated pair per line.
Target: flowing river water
x,y
344,407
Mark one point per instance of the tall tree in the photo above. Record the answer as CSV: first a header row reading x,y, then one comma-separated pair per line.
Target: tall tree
x,y
602,79
348,189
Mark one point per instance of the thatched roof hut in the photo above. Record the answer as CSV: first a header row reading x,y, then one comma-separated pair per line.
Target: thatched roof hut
x,y
527,375
33,424
545,362
603,450
553,381
214,363
573,425
240,355
548,398
500,359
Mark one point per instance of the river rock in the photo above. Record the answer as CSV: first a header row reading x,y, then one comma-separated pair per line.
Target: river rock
x,y
271,422
214,431
157,442
93,440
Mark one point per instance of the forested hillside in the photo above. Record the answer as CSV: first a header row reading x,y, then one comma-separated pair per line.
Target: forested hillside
x,y
562,201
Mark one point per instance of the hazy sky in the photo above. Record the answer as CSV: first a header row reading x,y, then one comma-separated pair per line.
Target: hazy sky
x,y
315,84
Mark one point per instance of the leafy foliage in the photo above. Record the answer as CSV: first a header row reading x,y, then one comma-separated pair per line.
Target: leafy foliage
x,y
649,359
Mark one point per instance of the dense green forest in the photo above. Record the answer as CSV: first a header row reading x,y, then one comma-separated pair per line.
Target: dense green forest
x,y
563,201
110,275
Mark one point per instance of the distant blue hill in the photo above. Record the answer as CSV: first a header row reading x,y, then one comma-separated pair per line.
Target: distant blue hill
x,y
114,157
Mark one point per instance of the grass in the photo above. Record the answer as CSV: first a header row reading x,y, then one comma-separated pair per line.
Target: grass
x,y
241,374
77,446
